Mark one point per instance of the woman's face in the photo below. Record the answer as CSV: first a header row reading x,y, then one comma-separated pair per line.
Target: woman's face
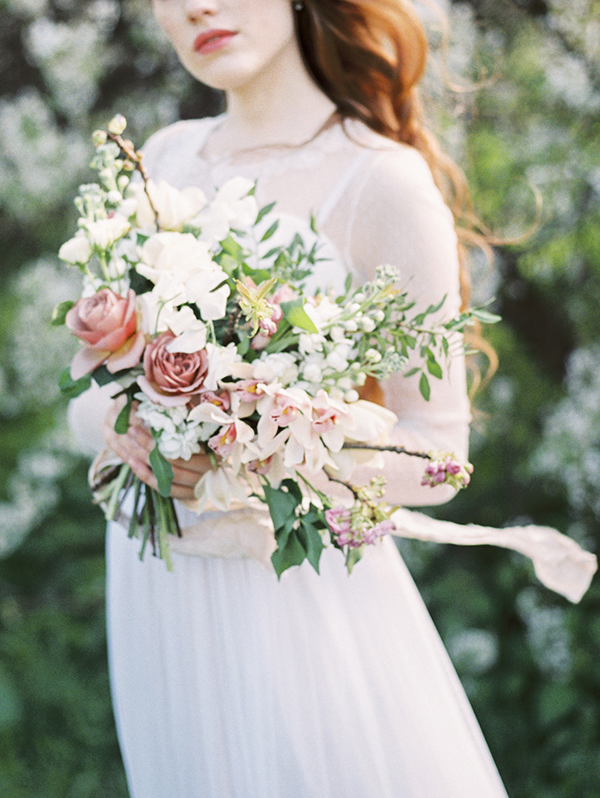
x,y
228,43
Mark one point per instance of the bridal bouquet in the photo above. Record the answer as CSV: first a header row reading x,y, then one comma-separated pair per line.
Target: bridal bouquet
x,y
209,331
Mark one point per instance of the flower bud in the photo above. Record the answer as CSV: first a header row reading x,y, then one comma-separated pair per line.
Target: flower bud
x,y
117,125
99,138
373,355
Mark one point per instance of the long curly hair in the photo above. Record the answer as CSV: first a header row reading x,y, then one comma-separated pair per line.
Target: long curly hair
x,y
369,56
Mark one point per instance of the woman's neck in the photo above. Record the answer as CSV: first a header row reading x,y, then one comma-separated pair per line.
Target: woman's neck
x,y
281,106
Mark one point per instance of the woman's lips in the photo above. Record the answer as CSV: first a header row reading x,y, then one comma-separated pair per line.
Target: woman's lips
x,y
212,40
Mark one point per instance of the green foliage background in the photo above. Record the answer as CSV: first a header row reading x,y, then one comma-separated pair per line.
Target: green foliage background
x,y
527,658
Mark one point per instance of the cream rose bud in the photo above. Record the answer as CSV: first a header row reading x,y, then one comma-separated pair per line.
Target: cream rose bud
x,y
76,250
171,378
107,324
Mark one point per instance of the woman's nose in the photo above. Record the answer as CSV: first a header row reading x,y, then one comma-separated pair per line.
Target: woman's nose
x,y
197,9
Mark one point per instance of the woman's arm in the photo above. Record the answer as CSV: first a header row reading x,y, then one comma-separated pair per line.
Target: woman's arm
x,y
401,219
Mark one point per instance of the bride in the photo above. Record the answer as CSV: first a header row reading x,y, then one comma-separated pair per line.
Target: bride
x,y
226,682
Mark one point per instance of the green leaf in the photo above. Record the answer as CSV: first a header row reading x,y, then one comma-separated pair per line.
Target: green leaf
x,y
270,232
258,275
412,372
60,312
102,376
244,343
312,541
296,315
282,506
72,388
231,247
485,316
435,308
424,387
122,422
264,211
293,553
434,368
162,470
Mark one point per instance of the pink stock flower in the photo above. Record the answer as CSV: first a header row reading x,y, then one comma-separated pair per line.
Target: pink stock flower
x,y
445,469
107,324
339,519
171,378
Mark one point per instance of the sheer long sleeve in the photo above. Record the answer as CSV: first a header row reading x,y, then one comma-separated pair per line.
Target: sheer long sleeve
x,y
398,217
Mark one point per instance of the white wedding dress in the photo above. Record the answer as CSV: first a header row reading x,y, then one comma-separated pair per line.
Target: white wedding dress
x,y
230,684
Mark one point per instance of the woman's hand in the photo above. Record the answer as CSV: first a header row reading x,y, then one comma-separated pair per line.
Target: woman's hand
x,y
134,449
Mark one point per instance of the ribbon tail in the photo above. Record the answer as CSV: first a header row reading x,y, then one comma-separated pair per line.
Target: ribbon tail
x,y
559,562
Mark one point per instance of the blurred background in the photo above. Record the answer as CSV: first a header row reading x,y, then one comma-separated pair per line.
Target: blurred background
x,y
528,659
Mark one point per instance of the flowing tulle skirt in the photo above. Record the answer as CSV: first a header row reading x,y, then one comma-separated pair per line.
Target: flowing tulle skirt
x,y
230,684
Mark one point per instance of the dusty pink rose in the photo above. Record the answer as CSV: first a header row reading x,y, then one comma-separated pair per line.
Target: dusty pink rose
x,y
107,324
172,378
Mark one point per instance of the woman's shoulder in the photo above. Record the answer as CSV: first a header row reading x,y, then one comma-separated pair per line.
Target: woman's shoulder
x,y
393,173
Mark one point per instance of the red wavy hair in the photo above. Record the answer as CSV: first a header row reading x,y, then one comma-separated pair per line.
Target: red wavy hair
x,y
369,56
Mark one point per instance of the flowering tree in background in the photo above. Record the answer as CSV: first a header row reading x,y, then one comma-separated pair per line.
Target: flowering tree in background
x,y
525,657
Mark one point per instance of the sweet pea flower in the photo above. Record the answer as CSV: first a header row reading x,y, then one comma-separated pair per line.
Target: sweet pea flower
x,y
233,206
107,324
171,378
182,269
174,208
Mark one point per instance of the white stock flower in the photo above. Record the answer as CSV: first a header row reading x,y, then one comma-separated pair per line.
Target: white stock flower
x,y
179,434
76,250
105,232
324,313
280,366
174,208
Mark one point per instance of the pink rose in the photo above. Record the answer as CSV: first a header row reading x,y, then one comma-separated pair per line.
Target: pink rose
x,y
171,378
107,323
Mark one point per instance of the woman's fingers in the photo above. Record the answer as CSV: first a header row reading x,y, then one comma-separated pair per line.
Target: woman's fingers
x,y
135,446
